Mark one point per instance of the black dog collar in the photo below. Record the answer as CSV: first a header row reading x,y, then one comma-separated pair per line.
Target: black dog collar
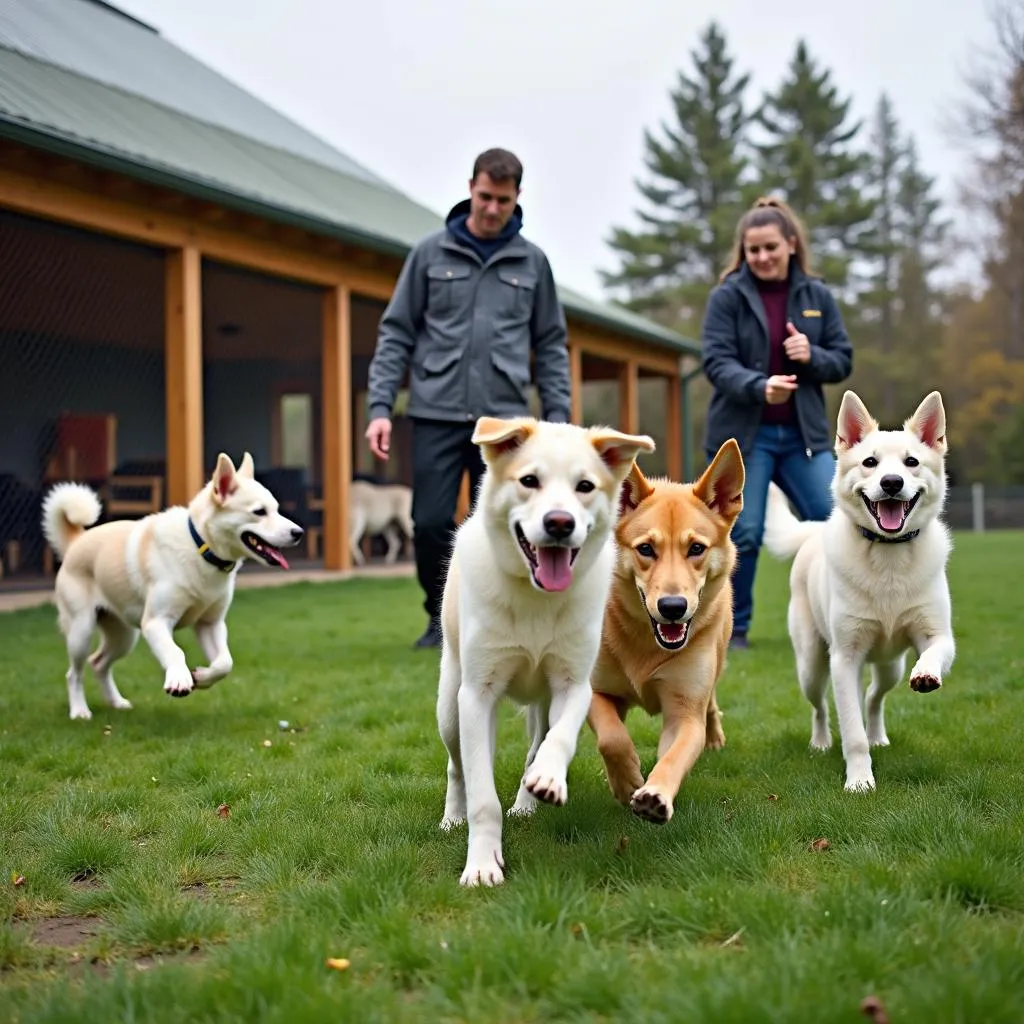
x,y
204,549
881,539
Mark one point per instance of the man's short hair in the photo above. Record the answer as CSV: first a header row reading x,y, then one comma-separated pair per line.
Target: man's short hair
x,y
498,165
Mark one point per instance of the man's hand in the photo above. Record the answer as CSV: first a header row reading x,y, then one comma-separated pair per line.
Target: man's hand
x,y
378,433
797,347
777,389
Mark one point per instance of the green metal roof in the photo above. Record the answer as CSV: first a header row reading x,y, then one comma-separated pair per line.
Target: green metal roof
x,y
280,176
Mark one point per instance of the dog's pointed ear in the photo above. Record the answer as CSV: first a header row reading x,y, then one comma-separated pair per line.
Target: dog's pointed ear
x,y
720,486
223,479
246,467
498,437
929,422
854,422
635,489
618,450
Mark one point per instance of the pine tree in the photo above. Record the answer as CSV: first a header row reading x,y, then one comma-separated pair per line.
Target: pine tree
x,y
695,193
880,246
896,321
809,156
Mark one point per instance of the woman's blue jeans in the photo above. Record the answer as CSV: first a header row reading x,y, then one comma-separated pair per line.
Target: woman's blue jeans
x,y
777,454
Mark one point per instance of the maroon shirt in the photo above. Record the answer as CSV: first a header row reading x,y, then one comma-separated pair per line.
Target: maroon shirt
x,y
774,295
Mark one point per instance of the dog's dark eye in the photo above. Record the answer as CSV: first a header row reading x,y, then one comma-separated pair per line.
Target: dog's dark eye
x,y
585,486
911,462
530,481
259,511
870,462
645,550
696,550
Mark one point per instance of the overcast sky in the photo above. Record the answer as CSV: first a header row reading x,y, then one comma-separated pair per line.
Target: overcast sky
x,y
414,90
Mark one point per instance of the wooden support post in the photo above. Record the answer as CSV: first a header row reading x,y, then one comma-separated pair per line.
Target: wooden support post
x,y
576,383
673,428
629,398
183,361
337,424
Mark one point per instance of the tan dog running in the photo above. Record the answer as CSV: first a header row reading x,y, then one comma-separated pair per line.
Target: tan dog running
x,y
667,627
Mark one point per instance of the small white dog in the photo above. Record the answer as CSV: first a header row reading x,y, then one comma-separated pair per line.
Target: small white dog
x,y
522,613
379,508
168,570
870,582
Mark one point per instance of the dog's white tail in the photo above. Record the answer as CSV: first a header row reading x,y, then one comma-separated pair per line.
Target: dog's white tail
x,y
784,534
67,510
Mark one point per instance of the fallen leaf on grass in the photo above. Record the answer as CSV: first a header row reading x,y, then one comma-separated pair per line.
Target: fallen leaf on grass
x,y
819,845
18,879
773,796
621,845
871,1007
223,811
337,963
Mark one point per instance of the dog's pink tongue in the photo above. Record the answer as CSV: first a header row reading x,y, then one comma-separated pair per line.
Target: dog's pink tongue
x,y
277,557
554,567
890,514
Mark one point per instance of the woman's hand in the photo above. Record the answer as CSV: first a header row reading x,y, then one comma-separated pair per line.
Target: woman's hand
x,y
777,389
797,347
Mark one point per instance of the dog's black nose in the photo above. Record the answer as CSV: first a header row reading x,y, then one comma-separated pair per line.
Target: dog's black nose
x,y
559,525
297,532
891,483
672,608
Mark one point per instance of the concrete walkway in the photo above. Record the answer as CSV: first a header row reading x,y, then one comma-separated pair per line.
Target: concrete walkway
x,y
15,599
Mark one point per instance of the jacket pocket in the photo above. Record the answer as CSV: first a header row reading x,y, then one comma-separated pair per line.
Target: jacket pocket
x,y
436,360
511,378
448,286
517,288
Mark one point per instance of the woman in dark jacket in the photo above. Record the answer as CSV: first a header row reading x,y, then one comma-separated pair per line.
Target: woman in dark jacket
x,y
772,336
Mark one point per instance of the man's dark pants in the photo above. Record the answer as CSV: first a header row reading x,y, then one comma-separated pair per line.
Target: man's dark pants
x,y
441,452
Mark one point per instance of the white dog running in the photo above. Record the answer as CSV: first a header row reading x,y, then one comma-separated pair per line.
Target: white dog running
x,y
168,570
870,582
522,613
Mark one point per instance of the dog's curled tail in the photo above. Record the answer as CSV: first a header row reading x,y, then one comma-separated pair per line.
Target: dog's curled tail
x,y
68,510
784,534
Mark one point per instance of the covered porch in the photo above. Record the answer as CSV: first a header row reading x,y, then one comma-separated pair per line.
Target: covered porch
x,y
143,330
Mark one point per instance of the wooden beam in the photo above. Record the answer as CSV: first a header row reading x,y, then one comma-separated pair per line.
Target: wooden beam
x,y
83,207
629,398
337,424
576,383
618,349
183,357
673,429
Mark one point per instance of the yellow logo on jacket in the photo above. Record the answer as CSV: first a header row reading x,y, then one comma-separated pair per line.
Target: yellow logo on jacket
x,y
810,312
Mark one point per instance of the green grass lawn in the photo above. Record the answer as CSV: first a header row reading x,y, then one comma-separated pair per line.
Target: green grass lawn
x,y
140,900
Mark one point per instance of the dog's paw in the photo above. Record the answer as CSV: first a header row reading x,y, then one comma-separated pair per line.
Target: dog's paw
x,y
546,786
821,738
525,805
178,683
859,783
651,805
120,703
80,714
878,739
715,739
924,682
486,872
451,822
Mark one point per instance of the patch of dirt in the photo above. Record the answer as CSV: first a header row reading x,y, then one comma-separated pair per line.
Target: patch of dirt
x,y
62,932
205,891
151,960
86,883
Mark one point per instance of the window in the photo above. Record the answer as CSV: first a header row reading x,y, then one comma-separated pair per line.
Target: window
x,y
296,412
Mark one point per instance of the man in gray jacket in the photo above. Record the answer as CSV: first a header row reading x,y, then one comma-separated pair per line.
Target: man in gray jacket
x,y
474,316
